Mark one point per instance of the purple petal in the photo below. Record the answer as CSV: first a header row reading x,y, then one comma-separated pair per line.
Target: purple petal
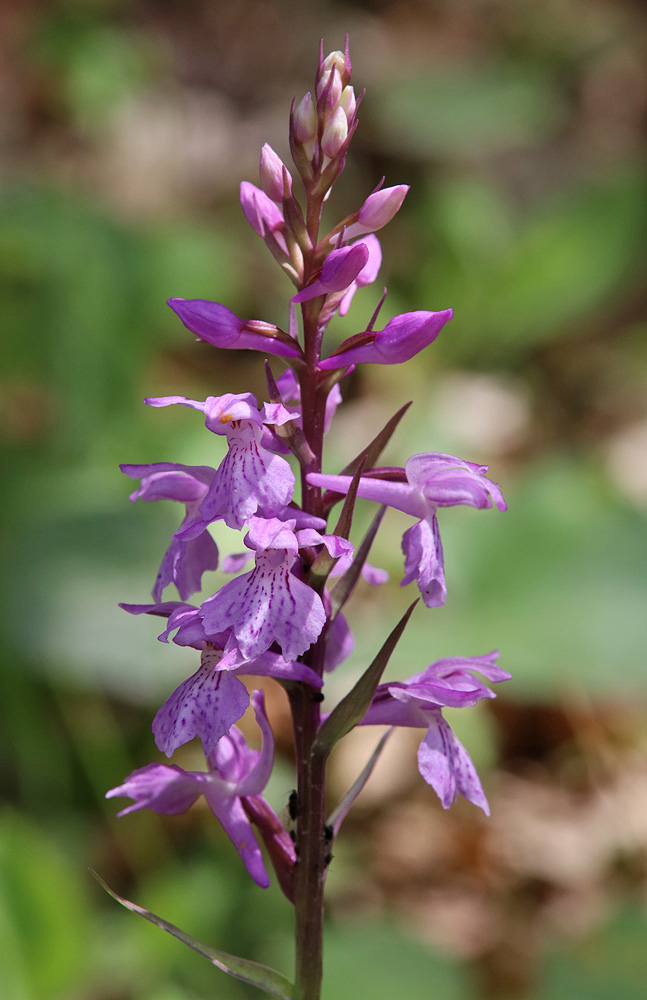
x,y
402,496
446,480
378,209
229,811
169,481
385,710
210,321
452,667
401,339
367,275
423,561
163,610
445,764
236,562
267,605
259,774
184,563
340,268
248,477
205,705
217,325
164,788
259,210
273,665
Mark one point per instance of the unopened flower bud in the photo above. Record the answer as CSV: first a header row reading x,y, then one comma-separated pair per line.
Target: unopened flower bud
x,y
271,173
339,61
334,59
336,86
335,133
305,120
261,213
378,209
348,102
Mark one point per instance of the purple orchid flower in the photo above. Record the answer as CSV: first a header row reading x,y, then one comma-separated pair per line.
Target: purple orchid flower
x,y
417,702
367,275
249,477
217,325
235,772
431,480
340,269
209,702
401,339
270,604
186,559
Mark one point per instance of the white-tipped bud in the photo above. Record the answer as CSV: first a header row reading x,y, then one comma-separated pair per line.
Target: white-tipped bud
x,y
335,88
335,133
348,102
305,120
271,170
334,58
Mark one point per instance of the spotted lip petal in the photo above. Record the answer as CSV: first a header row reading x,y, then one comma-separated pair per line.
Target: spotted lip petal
x,y
418,701
269,604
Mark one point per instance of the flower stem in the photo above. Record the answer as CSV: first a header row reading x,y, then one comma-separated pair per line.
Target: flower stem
x,y
311,846
312,849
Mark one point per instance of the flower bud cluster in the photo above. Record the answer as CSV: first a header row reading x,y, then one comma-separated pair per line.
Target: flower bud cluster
x,y
322,123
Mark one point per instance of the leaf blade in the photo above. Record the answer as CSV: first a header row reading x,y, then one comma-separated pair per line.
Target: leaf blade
x,y
356,703
240,968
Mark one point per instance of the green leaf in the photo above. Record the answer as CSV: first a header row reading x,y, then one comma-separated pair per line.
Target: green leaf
x,y
339,814
355,705
345,586
240,968
324,561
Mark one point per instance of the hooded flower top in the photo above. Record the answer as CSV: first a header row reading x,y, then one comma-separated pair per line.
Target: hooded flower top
x,y
249,478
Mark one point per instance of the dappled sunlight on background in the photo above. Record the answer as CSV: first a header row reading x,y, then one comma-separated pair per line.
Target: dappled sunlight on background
x,y
520,127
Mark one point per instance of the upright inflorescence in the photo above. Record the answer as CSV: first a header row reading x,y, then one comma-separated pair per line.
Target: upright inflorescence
x,y
280,616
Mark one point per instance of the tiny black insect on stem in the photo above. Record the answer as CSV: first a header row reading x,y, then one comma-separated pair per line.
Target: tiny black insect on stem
x,y
318,696
293,805
328,833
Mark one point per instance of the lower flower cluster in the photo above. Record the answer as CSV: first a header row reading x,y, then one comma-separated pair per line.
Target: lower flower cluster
x,y
262,622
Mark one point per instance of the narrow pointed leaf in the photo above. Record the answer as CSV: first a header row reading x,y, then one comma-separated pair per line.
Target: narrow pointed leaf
x,y
346,584
372,452
344,524
324,562
240,968
339,814
355,705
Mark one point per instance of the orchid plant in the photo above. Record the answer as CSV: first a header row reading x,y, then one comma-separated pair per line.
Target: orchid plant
x,y
283,618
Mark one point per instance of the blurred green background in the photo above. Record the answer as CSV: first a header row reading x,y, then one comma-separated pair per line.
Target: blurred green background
x,y
125,132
